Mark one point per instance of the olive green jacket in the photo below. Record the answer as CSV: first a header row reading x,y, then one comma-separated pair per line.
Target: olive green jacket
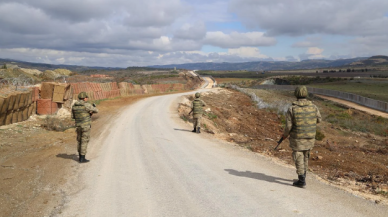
x,y
81,112
298,140
196,107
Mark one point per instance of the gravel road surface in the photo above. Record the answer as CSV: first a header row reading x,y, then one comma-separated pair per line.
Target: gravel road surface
x,y
149,163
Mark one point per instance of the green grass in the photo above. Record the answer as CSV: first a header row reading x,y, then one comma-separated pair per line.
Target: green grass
x,y
320,135
374,89
184,118
376,125
211,116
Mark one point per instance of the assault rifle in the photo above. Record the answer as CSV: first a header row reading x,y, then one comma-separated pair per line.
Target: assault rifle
x,y
280,141
94,105
191,111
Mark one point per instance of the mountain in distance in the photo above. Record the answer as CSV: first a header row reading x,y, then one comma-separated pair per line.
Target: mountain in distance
x,y
46,66
376,61
379,60
265,65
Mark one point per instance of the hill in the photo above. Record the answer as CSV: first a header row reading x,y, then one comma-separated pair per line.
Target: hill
x,y
264,65
45,66
379,60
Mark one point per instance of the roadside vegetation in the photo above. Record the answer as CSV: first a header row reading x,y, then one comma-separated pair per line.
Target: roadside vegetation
x,y
374,89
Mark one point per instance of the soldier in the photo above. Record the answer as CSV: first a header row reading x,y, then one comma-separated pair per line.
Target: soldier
x,y
82,112
196,109
301,123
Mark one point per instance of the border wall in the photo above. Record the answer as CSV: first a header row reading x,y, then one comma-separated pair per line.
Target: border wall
x,y
19,105
367,102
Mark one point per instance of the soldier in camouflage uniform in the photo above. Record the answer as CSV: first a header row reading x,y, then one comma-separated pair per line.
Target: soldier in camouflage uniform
x,y
82,112
301,123
196,108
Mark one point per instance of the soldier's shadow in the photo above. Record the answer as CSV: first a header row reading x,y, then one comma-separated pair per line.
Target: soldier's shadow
x,y
183,130
259,176
69,156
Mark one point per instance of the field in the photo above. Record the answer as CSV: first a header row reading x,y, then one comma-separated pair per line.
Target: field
x,y
375,89
232,80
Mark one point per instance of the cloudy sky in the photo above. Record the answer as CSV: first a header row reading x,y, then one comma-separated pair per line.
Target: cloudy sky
x,y
121,33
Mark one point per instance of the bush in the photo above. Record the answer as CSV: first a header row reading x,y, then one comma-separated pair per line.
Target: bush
x,y
53,123
319,135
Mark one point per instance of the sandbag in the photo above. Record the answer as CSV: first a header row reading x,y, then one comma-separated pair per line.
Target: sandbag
x,y
20,115
29,97
30,108
46,107
33,108
8,118
47,90
35,93
22,100
11,102
25,113
4,104
17,100
15,115
2,119
67,94
59,93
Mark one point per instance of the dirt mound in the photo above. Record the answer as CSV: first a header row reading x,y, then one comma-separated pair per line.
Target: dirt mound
x,y
17,73
34,72
63,72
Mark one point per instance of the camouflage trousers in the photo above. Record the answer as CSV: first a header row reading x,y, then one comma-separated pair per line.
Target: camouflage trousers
x,y
83,136
301,159
197,122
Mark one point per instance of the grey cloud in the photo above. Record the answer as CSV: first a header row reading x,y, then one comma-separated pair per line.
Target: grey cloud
x,y
194,31
28,24
291,59
236,40
369,45
123,59
70,10
298,17
154,12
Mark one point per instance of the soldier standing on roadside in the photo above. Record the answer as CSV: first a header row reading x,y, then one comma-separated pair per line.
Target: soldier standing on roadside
x,y
196,109
301,123
82,112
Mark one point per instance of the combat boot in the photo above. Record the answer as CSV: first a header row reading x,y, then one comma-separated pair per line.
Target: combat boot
x,y
199,130
301,181
195,130
82,159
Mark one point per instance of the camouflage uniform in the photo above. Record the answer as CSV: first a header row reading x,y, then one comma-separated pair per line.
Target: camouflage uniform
x,y
81,112
196,107
301,122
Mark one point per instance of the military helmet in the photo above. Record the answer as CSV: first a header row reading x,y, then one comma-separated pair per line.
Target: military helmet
x,y
301,92
197,95
82,95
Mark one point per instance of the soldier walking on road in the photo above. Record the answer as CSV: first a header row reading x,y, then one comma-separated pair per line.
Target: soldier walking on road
x,y
301,123
82,112
196,109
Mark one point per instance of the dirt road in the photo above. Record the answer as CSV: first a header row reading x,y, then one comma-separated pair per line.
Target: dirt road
x,y
209,82
148,163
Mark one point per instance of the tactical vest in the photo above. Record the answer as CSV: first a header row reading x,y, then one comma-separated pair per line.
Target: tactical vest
x,y
81,116
197,106
304,122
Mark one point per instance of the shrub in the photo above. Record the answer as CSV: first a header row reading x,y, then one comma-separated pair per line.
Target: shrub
x,y
53,123
319,136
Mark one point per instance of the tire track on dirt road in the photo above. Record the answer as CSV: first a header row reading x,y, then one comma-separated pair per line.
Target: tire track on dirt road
x,y
150,164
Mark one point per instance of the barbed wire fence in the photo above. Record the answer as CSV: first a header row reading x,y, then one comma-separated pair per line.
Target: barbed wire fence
x,y
280,106
16,83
